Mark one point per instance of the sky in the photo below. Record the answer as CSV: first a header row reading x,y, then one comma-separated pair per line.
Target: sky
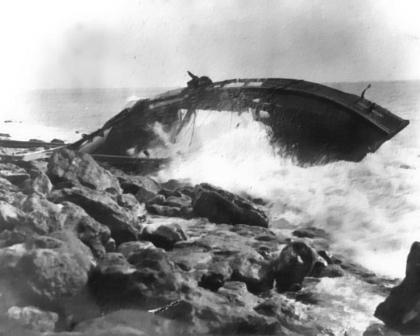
x,y
152,43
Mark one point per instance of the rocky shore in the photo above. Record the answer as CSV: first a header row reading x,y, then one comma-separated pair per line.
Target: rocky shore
x,y
86,250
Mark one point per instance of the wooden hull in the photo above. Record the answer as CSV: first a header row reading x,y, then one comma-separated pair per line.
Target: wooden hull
x,y
312,122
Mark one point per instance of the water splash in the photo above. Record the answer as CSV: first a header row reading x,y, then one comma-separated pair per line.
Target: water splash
x,y
370,208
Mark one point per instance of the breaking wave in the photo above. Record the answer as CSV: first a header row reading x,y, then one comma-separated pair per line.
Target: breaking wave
x,y
370,208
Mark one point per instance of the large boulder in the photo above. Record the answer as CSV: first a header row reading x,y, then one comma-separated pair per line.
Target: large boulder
x,y
163,235
296,261
143,187
220,206
123,223
70,168
50,275
401,309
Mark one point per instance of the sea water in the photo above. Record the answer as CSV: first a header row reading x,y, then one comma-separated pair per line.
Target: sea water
x,y
370,208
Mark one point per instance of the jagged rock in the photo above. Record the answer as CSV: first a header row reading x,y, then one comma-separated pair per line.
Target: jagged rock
x,y
218,253
401,309
131,323
10,216
311,232
12,237
163,235
229,311
328,271
13,173
122,222
51,275
218,273
33,318
88,230
147,278
291,315
130,202
164,210
295,262
143,187
10,257
182,201
43,215
377,329
111,245
70,168
130,248
10,193
37,183
57,141
176,184
220,206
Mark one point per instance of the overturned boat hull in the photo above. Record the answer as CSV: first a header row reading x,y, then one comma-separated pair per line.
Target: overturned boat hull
x,y
310,121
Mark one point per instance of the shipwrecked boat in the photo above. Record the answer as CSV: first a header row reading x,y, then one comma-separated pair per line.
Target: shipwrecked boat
x,y
312,122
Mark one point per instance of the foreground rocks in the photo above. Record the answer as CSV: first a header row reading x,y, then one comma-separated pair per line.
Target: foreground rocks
x,y
84,251
69,168
401,310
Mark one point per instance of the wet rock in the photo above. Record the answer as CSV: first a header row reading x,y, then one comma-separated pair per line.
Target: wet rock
x,y
33,318
70,168
122,222
377,329
218,253
329,271
111,245
137,210
143,187
220,206
291,315
296,261
163,235
173,184
310,232
216,276
130,248
229,311
401,309
145,279
167,211
182,201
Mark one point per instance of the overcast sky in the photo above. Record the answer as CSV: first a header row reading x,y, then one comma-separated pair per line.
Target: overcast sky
x,y
127,43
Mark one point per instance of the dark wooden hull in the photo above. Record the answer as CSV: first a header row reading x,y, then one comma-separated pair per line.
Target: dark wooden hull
x,y
312,122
